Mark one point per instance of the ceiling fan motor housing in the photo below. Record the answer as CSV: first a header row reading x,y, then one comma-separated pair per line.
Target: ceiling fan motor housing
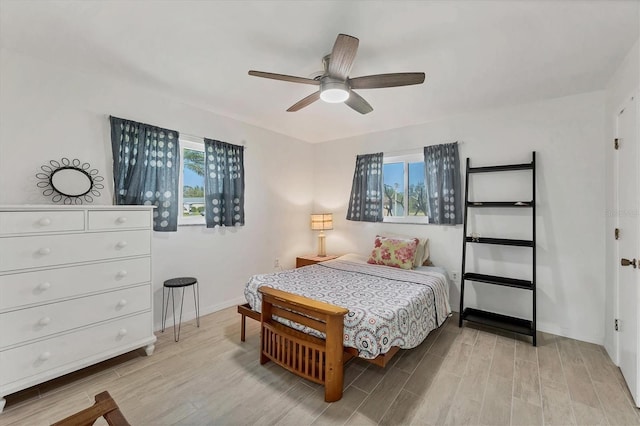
x,y
333,90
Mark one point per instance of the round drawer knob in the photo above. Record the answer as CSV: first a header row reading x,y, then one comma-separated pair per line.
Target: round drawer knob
x,y
122,332
45,221
44,251
122,303
121,244
45,356
44,286
44,321
121,219
121,274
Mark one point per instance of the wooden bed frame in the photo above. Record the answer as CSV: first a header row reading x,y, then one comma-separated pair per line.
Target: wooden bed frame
x,y
318,360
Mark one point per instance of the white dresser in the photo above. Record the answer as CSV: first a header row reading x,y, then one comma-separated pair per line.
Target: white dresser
x,y
75,289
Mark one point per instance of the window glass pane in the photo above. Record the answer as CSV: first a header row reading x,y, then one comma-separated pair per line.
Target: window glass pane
x,y
393,174
417,200
193,183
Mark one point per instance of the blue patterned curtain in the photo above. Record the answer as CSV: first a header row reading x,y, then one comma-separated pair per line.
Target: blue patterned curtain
x,y
365,204
224,183
146,162
442,168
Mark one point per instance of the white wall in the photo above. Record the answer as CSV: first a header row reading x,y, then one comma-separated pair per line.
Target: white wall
x,y
624,83
47,112
566,134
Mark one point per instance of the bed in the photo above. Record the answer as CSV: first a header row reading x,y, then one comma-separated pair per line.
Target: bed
x,y
315,317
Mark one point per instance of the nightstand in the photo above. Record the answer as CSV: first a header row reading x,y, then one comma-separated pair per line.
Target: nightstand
x,y
312,259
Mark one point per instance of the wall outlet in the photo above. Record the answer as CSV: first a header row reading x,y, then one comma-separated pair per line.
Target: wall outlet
x,y
276,263
454,276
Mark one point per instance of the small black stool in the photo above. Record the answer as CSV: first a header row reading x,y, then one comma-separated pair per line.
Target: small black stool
x,y
171,285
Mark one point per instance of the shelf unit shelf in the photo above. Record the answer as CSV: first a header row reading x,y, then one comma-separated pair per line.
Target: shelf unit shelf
x,y
500,204
493,319
500,241
503,281
504,322
501,168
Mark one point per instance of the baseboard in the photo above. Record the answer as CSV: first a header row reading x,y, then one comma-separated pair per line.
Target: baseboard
x,y
561,331
542,326
188,316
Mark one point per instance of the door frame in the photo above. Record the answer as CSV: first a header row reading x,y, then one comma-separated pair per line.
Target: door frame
x,y
616,249
616,246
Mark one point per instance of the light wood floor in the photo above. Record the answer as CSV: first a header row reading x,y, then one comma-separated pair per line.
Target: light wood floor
x,y
457,376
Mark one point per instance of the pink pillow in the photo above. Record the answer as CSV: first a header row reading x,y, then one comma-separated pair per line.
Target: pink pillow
x,y
396,252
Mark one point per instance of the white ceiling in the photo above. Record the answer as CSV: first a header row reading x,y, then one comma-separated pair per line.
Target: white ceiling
x,y
476,54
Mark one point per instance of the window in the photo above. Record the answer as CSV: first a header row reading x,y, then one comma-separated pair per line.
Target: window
x,y
191,183
404,189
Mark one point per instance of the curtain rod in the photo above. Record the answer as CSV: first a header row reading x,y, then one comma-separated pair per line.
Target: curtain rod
x,y
409,151
188,135
201,138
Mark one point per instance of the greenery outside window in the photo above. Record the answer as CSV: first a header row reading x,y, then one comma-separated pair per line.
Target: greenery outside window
x,y
192,183
404,189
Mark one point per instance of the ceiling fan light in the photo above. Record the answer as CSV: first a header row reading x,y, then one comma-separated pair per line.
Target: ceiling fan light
x,y
334,96
333,91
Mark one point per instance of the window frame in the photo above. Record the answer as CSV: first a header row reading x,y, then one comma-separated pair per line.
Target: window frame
x,y
414,157
195,145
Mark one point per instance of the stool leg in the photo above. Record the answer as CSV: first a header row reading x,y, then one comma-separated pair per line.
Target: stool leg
x,y
173,305
164,309
196,302
181,306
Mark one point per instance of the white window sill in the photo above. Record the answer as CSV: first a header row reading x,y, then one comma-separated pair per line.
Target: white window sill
x,y
406,220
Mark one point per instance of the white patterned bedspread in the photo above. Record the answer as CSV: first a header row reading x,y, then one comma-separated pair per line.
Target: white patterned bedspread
x,y
387,306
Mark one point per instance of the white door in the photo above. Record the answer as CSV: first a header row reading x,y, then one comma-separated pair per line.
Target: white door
x,y
628,178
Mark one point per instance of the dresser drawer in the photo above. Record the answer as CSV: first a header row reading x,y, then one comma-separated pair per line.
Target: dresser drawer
x,y
41,321
39,357
100,220
48,250
30,288
40,221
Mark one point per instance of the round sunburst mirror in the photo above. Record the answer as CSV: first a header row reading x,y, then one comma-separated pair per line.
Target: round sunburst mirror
x,y
69,181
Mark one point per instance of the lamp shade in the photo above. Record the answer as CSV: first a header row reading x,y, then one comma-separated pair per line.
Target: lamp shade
x,y
322,221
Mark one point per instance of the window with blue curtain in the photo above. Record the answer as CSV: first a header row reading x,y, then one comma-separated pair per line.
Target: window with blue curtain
x,y
442,169
365,203
224,184
146,161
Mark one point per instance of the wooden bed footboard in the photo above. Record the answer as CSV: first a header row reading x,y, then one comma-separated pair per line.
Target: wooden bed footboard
x,y
315,359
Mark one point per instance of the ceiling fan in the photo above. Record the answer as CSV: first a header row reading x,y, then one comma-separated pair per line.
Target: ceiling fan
x,y
335,84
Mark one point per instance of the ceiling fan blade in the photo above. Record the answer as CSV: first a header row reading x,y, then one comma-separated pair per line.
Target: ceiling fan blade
x,y
387,80
358,103
304,102
342,56
284,77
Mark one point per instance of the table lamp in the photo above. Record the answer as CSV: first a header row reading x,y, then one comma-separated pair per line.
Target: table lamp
x,y
321,222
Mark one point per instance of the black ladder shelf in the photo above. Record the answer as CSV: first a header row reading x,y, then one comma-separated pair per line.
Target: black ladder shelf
x,y
509,323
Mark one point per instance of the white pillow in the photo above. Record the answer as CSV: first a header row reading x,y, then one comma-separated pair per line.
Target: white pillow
x,y
425,257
